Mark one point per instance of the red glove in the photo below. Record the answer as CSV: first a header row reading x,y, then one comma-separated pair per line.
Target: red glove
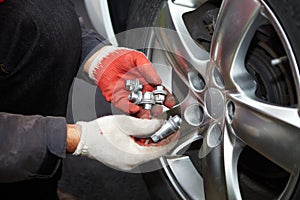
x,y
113,66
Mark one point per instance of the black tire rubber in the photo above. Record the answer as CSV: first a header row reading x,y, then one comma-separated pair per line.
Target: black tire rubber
x,y
143,13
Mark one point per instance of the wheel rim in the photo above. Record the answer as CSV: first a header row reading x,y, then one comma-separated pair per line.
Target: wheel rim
x,y
236,113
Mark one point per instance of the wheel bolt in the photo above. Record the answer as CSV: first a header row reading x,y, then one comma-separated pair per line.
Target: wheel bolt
x,y
133,85
159,94
170,126
135,97
148,100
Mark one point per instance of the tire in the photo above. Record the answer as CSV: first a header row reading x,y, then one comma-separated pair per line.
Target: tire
x,y
255,174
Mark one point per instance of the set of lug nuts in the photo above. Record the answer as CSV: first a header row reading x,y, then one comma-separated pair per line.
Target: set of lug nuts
x,y
148,99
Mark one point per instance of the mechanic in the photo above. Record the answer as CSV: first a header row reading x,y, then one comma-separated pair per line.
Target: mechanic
x,y
42,46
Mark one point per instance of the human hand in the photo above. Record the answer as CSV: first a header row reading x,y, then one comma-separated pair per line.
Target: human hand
x,y
112,66
113,140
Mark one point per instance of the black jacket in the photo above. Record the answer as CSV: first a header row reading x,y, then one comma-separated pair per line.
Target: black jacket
x,y
30,146
41,47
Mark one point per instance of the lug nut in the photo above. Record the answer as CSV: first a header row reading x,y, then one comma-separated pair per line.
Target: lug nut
x,y
170,126
135,97
148,100
159,94
133,85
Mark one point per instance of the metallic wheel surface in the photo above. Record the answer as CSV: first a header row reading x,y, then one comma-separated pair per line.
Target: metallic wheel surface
x,y
240,101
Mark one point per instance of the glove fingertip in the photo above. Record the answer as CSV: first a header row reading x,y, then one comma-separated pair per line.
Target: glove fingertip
x,y
143,114
170,101
156,110
149,73
153,79
133,109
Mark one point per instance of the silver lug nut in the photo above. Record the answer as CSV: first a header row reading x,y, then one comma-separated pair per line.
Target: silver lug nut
x,y
148,100
135,97
159,94
133,85
170,126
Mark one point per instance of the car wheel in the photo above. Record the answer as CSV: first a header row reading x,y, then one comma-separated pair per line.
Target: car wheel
x,y
235,64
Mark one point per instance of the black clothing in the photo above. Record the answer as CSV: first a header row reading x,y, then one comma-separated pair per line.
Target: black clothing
x,y
40,46
32,146
40,53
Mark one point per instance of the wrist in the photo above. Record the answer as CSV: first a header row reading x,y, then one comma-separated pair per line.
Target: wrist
x,y
73,138
93,59
102,59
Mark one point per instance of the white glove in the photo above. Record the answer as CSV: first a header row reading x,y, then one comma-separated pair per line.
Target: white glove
x,y
107,139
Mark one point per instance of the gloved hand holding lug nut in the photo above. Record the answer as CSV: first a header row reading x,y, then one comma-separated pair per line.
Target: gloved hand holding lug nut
x,y
109,140
111,66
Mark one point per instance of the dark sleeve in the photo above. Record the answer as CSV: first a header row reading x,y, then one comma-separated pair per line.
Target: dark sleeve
x,y
91,41
30,146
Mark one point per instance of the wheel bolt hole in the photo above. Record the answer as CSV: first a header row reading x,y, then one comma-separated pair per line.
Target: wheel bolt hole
x,y
194,115
214,135
196,81
218,78
230,111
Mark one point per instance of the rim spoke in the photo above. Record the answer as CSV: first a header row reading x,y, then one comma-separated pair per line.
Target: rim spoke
x,y
236,25
186,176
220,167
182,50
272,131
232,149
213,172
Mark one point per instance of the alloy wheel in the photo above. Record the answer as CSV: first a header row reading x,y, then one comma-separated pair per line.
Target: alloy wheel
x,y
241,108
